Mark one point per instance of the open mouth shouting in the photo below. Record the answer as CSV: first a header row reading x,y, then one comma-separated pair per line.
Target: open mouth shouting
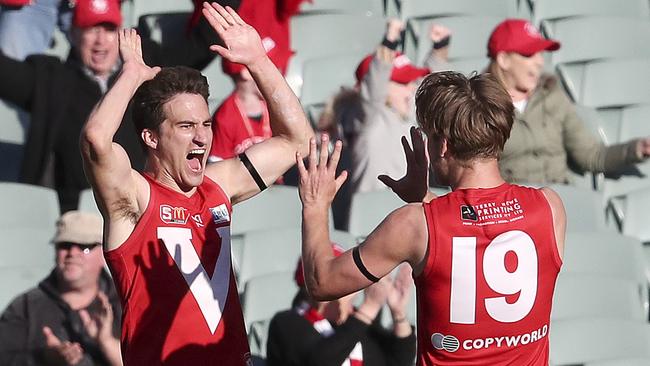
x,y
195,159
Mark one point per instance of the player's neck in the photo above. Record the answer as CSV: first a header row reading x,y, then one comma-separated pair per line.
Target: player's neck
x,y
162,177
479,174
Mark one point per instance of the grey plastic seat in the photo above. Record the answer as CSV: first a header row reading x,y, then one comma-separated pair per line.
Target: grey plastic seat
x,y
27,247
616,83
314,36
623,361
28,206
87,202
592,38
365,7
266,295
607,254
12,130
18,279
427,8
368,209
585,208
469,40
145,7
557,9
277,207
588,296
579,341
323,77
276,250
635,218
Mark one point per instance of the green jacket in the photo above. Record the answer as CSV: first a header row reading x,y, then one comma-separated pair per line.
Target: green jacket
x,y
549,133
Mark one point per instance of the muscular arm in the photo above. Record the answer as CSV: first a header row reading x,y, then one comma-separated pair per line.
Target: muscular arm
x,y
401,237
116,185
291,130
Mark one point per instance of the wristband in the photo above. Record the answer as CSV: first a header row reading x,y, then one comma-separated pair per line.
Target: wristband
x,y
392,45
441,43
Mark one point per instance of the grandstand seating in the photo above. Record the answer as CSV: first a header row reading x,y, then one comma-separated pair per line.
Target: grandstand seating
x,y
276,207
27,206
592,38
364,7
615,83
578,341
585,208
17,279
579,296
427,9
558,9
28,248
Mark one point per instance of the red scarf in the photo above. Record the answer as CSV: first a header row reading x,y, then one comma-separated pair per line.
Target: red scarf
x,y
324,328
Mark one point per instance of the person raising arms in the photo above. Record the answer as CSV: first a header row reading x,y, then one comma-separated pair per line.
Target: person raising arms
x,y
167,230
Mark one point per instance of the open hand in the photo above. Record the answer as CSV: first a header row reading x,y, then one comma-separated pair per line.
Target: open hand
x,y
414,185
643,147
61,352
131,52
243,44
400,291
99,325
318,183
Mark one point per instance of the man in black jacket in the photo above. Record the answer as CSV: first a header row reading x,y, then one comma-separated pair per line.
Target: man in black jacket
x,y
73,316
60,95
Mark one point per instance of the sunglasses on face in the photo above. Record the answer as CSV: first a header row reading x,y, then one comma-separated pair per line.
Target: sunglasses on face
x,y
86,248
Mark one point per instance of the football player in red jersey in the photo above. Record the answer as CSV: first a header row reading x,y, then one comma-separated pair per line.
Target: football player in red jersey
x,y
485,257
167,230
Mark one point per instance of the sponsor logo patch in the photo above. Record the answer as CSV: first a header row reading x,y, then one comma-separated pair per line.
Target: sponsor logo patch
x,y
173,215
220,214
467,213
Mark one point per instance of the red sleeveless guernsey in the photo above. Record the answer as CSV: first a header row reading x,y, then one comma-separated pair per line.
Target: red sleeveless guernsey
x,y
484,296
174,276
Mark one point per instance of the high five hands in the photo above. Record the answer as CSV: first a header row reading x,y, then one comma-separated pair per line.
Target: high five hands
x,y
243,44
414,185
318,181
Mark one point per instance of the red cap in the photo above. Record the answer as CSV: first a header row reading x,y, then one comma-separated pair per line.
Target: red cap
x,y
518,35
89,13
279,57
299,275
403,70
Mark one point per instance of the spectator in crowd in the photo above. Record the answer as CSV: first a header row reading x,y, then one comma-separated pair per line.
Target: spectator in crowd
x,y
61,95
242,120
334,333
547,137
72,317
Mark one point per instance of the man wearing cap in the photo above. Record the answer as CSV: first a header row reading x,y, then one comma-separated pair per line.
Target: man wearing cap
x,y
72,316
60,95
387,81
547,133
242,120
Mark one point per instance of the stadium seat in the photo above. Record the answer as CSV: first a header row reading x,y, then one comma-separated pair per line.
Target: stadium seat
x,y
578,341
368,209
635,214
87,202
276,207
12,129
558,9
276,250
28,206
18,279
591,38
616,83
470,35
607,254
585,208
364,7
27,247
623,361
140,8
323,77
588,296
427,8
263,297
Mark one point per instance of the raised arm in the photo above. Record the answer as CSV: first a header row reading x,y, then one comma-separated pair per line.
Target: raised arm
x,y
115,184
291,129
401,237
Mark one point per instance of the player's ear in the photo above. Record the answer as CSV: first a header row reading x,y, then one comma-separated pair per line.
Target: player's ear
x,y
149,137
443,148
